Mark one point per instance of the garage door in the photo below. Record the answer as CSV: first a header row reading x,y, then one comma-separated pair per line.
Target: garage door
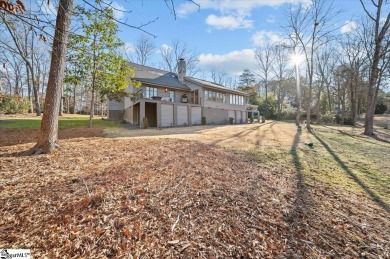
x,y
196,115
166,115
182,115
231,115
238,117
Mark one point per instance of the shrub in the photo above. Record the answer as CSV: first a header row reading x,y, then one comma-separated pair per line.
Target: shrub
x,y
380,108
328,118
231,120
12,104
250,119
145,123
347,121
288,113
203,120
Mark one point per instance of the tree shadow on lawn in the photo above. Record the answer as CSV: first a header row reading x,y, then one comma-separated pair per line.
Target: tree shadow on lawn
x,y
300,212
370,193
243,133
380,136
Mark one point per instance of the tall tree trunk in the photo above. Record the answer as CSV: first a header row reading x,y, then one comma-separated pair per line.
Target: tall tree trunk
x,y
61,110
318,107
370,109
91,109
36,98
48,137
280,100
329,98
298,118
74,99
33,79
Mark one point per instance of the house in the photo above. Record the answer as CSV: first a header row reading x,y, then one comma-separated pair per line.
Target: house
x,y
168,99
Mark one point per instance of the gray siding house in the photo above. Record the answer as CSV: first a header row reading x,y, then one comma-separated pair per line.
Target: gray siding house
x,y
168,99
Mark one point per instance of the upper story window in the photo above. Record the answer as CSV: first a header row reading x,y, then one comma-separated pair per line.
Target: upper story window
x,y
214,96
236,99
171,96
150,91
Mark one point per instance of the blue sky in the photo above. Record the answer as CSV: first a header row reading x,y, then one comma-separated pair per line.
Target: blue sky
x,y
224,32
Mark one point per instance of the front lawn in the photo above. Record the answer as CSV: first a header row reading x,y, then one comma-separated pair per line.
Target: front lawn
x,y
252,191
64,122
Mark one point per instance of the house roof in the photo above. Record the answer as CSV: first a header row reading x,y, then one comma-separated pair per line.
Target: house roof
x,y
155,76
215,86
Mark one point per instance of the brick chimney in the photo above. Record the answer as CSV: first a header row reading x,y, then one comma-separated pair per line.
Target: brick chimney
x,y
181,69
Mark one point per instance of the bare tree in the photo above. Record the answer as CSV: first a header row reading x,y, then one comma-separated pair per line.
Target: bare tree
x,y
171,55
281,72
376,40
311,27
20,44
326,64
218,77
265,59
144,49
354,61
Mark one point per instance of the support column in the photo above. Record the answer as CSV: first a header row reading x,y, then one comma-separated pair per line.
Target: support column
x,y
158,113
189,115
175,115
141,114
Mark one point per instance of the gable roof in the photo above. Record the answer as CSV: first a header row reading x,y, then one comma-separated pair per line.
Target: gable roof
x,y
154,76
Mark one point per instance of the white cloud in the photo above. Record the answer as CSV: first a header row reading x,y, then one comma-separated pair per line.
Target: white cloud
x,y
348,27
232,63
271,19
165,47
262,38
232,14
118,10
228,22
230,5
129,48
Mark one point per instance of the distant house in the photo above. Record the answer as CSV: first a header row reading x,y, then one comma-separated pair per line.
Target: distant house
x,y
168,99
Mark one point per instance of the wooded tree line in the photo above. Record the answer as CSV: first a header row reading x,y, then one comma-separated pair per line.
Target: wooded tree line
x,y
347,76
340,74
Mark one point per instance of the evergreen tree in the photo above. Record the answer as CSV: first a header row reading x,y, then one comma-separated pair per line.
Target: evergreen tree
x,y
246,79
98,60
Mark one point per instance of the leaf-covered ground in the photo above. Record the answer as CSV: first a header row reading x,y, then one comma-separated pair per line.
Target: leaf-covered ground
x,y
252,191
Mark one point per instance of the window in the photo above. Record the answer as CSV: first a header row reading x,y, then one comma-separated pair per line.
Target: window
x,y
236,99
171,96
150,91
214,96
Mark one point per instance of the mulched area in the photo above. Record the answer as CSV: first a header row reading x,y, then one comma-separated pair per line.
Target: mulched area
x,y
117,198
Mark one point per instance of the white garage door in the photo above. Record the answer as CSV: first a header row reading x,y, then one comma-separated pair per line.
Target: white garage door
x,y
231,115
182,115
196,115
238,117
166,115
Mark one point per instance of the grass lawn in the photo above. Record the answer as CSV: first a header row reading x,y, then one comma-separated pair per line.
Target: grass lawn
x,y
252,191
65,122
